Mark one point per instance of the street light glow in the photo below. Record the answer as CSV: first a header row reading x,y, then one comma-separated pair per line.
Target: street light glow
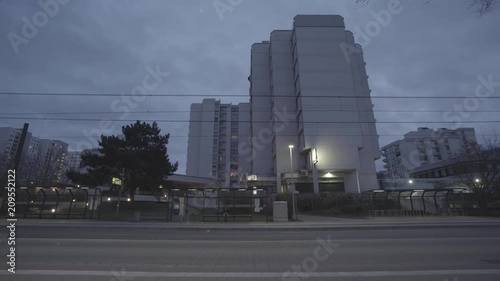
x,y
477,180
410,181
290,146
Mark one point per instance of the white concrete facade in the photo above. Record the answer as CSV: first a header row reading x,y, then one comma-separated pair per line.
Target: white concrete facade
x,y
423,147
215,132
305,92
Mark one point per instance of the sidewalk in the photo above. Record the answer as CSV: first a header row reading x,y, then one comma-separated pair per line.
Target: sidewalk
x,y
307,223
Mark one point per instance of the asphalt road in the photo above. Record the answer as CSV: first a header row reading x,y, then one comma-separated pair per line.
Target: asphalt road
x,y
139,254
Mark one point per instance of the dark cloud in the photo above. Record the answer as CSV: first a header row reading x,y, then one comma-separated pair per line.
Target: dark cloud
x,y
104,46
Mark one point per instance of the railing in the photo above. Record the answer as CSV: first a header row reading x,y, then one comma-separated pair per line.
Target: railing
x,y
53,202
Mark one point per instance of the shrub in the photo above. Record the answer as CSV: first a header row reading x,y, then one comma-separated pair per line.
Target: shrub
x,y
341,203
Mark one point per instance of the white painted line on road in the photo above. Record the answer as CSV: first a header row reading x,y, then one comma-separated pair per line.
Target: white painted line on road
x,y
253,241
258,274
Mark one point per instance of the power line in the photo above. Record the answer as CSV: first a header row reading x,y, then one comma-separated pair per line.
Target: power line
x,y
229,121
246,137
230,95
244,111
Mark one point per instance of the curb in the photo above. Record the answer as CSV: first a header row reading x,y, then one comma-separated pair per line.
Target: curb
x,y
264,228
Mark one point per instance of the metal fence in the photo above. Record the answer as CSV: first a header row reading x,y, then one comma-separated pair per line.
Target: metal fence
x,y
56,203
400,203
225,204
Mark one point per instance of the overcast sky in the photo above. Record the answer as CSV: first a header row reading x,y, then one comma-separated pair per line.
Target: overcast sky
x,y
107,46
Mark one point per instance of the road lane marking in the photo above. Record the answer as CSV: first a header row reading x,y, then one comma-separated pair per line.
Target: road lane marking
x,y
104,240
256,274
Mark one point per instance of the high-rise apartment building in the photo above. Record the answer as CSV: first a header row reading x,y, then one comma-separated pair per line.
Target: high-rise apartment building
x,y
215,132
41,162
72,162
10,139
50,162
309,90
422,147
9,142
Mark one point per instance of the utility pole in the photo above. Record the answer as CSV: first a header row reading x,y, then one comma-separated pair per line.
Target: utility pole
x,y
19,152
20,147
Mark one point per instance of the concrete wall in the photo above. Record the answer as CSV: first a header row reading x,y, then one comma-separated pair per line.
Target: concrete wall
x,y
283,100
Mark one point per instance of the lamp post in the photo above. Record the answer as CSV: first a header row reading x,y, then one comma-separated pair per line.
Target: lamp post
x,y
314,158
292,185
291,162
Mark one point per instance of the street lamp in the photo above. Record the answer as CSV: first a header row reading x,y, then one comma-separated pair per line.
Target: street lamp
x,y
291,161
294,213
478,180
410,181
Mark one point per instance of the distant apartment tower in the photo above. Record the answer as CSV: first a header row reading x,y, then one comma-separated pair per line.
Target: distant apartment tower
x,y
41,162
422,147
309,89
72,162
9,143
215,133
50,162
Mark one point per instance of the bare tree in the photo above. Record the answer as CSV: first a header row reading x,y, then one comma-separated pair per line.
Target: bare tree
x,y
478,167
480,7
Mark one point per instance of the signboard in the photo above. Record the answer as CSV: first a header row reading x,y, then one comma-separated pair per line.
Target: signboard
x,y
116,181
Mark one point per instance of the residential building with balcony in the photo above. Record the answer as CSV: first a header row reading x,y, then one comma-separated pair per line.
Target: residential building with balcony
x,y
309,90
216,131
423,147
